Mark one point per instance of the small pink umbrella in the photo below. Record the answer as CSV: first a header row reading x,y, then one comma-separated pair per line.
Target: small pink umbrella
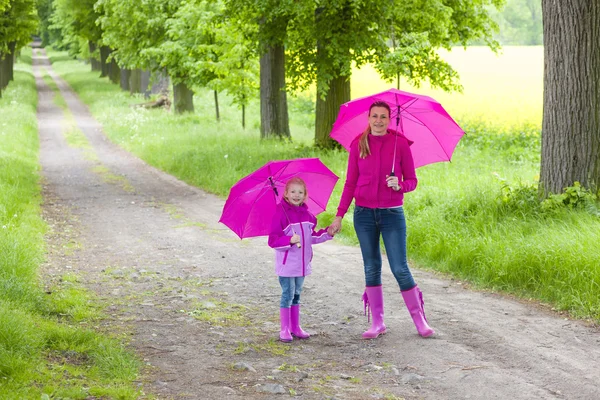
x,y
420,118
252,201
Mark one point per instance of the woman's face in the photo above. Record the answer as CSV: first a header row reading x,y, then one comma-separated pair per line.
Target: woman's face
x,y
379,119
295,194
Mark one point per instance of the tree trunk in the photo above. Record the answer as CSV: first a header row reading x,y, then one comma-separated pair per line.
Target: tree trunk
x,y
4,67
243,117
183,97
1,73
327,110
160,83
135,81
114,72
145,83
3,80
571,119
217,106
125,75
274,120
96,66
104,53
10,59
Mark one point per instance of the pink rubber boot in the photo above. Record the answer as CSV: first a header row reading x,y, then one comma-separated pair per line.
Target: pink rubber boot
x,y
295,328
284,333
373,300
414,302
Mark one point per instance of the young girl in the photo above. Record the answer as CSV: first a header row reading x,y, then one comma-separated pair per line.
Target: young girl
x,y
292,236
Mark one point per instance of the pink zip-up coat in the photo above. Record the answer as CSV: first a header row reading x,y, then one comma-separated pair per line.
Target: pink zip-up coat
x,y
290,260
366,177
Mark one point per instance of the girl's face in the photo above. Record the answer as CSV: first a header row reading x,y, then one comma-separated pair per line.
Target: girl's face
x,y
379,119
295,194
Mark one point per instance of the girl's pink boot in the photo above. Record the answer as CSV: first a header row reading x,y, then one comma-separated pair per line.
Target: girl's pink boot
x,y
284,333
295,328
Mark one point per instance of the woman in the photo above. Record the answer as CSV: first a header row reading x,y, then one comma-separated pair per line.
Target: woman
x,y
375,158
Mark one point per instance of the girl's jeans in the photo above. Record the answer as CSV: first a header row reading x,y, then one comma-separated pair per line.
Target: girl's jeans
x,y
371,224
291,287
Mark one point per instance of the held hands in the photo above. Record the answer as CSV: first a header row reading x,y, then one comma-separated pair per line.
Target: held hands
x,y
392,182
335,226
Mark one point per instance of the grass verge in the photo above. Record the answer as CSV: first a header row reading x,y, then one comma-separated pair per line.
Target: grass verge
x,y
44,350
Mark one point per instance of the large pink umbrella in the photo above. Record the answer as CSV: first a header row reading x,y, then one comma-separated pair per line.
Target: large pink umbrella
x,y
420,118
252,201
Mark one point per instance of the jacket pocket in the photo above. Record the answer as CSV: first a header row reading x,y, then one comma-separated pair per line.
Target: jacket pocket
x,y
362,187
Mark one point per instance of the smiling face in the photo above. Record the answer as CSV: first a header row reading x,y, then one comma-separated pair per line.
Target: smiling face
x,y
379,119
295,194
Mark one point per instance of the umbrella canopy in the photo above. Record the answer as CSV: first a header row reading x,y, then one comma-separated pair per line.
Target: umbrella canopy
x,y
420,118
252,201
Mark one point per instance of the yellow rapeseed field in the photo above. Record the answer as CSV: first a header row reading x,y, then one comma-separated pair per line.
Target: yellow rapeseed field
x,y
506,88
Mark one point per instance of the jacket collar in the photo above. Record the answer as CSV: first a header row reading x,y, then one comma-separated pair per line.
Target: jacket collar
x,y
289,207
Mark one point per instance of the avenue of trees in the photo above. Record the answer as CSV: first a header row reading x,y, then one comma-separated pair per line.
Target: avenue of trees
x,y
18,22
270,49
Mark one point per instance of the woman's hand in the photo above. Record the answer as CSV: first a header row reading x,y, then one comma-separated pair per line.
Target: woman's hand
x,y
392,182
335,226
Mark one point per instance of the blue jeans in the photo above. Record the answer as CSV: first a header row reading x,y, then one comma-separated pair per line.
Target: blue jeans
x,y
291,287
370,225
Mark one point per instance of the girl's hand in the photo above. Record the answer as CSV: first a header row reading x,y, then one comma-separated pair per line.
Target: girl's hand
x,y
392,182
295,239
335,226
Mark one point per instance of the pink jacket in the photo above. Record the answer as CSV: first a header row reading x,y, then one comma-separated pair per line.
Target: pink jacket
x,y
365,178
290,260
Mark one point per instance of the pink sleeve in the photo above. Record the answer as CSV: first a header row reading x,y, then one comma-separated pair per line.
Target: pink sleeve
x,y
409,175
351,178
277,238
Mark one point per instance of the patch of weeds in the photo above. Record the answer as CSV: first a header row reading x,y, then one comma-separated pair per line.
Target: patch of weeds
x,y
354,380
58,99
390,396
199,283
322,390
242,348
288,368
111,178
271,346
190,223
324,380
67,299
173,211
274,347
70,247
220,313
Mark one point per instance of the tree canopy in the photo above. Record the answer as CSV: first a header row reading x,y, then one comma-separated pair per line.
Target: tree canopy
x,y
217,44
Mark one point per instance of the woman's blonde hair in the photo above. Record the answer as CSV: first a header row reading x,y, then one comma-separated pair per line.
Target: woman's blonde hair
x,y
295,181
363,144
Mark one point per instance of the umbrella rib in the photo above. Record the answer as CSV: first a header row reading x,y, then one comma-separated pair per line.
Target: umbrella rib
x,y
432,134
257,198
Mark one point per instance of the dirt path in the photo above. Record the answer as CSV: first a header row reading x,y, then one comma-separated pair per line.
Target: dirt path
x,y
152,248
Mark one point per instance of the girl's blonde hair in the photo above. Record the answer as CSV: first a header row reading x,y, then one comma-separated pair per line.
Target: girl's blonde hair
x,y
363,144
295,181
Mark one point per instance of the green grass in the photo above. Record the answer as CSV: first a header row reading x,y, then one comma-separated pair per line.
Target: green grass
x,y
476,218
44,351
